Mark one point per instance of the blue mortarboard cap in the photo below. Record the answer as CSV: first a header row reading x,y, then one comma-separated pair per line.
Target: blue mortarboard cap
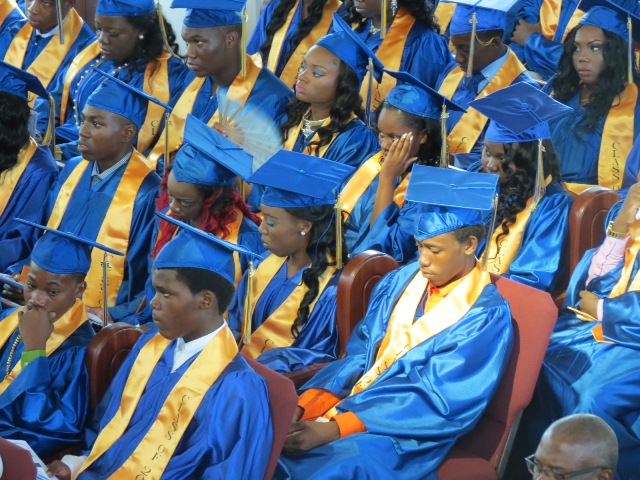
x,y
519,113
612,17
208,158
124,8
218,13
415,97
18,82
348,47
116,96
298,180
193,248
450,199
490,15
63,253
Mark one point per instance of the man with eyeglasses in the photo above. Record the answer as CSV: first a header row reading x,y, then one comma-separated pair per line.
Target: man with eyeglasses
x,y
580,446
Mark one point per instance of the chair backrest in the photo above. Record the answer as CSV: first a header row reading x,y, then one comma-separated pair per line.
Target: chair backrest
x,y
534,315
283,401
87,10
105,354
355,284
586,221
16,462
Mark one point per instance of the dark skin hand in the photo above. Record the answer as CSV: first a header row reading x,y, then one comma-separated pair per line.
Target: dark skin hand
x,y
307,435
524,30
11,293
59,470
36,326
589,303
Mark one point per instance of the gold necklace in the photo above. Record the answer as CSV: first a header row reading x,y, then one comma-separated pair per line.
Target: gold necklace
x,y
11,352
309,126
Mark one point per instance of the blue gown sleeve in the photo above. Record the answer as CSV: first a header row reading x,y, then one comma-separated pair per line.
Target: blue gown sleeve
x,y
354,145
426,54
542,55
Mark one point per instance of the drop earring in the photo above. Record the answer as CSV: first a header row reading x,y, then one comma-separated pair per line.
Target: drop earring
x,y
394,7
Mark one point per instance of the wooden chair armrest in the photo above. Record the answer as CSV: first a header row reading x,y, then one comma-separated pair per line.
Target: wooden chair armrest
x,y
303,375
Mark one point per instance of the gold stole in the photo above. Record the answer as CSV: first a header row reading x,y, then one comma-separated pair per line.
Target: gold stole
x,y
401,190
359,182
152,454
79,62
290,71
403,333
62,329
499,258
465,133
48,61
294,133
6,7
275,331
616,140
114,231
238,92
390,54
550,15
444,13
10,178
156,84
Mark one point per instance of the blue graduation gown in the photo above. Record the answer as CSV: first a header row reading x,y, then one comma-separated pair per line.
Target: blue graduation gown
x,y
229,436
539,263
416,410
578,150
11,24
539,54
580,375
48,402
27,202
318,338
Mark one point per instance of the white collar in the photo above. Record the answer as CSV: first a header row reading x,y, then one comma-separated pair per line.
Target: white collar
x,y
185,350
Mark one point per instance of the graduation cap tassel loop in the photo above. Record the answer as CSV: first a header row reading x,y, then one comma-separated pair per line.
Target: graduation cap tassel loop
x,y
492,226
248,313
472,45
630,52
163,30
383,20
243,60
338,216
444,154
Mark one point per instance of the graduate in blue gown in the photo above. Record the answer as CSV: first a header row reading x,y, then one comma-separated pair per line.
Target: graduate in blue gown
x,y
27,171
591,362
11,18
292,305
433,330
129,46
593,143
44,397
225,430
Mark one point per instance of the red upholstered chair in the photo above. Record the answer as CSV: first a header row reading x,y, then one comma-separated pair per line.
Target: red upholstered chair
x,y
483,453
87,10
16,462
283,400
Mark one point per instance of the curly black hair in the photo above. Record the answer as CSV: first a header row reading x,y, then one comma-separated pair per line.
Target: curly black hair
x,y
321,246
518,186
429,152
14,129
348,101
421,10
278,18
611,81
152,45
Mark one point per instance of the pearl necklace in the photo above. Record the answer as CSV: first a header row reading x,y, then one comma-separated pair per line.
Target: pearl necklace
x,y
11,352
309,126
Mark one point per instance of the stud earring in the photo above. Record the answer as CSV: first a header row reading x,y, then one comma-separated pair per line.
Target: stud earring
x,y
141,36
303,233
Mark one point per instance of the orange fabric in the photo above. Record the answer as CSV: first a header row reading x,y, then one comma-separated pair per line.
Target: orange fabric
x,y
316,402
349,423
437,294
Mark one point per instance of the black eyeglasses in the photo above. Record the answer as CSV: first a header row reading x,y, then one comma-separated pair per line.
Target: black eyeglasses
x,y
537,470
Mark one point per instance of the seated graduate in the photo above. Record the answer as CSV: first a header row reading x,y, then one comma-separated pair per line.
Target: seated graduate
x,y
285,312
285,32
130,46
44,397
530,237
27,171
42,46
221,69
409,125
596,79
482,65
108,195
392,407
11,19
404,36
591,362
184,404
202,192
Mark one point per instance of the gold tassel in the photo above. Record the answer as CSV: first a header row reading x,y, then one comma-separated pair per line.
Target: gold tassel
x,y
539,187
167,153
105,284
165,39
383,20
338,214
630,52
489,235
444,154
243,60
49,135
60,20
472,44
248,312
369,94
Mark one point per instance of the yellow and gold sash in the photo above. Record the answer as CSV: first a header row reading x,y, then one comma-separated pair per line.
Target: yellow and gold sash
x,y
275,331
153,453
156,84
617,139
10,178
114,231
550,17
390,54
48,61
238,92
359,182
444,13
294,133
62,329
79,62
290,71
403,333
6,7
401,190
465,134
